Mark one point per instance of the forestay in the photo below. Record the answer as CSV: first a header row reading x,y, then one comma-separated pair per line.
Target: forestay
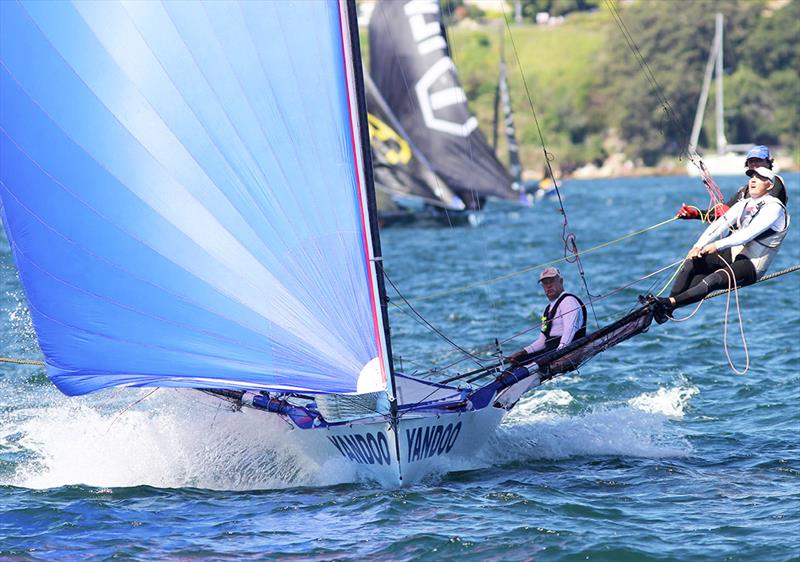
x,y
183,191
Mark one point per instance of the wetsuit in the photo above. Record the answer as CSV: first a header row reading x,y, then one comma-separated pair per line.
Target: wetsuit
x,y
563,320
757,227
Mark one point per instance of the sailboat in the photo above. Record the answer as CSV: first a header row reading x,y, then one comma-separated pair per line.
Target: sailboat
x,y
188,194
729,158
502,101
411,65
542,190
408,191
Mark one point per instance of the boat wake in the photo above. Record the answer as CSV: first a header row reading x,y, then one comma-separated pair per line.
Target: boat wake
x,y
170,443
543,426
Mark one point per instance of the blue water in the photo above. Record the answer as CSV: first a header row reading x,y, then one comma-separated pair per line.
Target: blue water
x,y
656,450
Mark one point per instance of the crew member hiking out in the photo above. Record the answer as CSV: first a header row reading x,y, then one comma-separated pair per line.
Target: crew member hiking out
x,y
754,229
563,319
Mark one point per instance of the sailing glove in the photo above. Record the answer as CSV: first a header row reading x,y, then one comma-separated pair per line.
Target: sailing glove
x,y
720,210
687,212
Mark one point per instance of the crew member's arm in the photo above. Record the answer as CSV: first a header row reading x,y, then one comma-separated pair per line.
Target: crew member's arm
x,y
538,345
770,215
717,227
571,319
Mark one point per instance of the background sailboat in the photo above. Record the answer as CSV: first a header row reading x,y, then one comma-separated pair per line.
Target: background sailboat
x,y
411,65
502,102
407,189
729,158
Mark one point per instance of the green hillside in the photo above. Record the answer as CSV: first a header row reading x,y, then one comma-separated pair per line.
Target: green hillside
x,y
558,65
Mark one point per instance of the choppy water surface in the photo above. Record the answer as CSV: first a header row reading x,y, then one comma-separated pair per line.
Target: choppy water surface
x,y
656,450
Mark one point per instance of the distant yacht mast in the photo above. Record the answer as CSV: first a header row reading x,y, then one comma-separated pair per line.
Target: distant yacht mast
x,y
727,160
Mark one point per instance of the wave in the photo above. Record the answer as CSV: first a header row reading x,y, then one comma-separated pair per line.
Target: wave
x,y
544,427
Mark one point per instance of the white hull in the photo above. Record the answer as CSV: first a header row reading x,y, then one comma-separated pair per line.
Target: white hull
x,y
730,164
427,444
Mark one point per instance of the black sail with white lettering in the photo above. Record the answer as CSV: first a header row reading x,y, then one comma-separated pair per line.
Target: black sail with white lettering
x,y
411,66
400,169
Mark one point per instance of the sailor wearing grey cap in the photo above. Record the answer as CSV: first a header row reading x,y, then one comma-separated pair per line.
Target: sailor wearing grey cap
x,y
563,319
753,229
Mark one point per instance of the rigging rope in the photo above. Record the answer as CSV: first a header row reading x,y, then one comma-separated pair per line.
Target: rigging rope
x,y
21,361
714,192
732,284
431,326
464,288
570,243
648,73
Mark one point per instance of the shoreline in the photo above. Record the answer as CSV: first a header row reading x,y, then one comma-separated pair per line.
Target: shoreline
x,y
615,167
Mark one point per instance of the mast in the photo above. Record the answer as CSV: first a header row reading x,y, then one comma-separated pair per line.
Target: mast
x,y
720,106
716,46
376,266
496,118
514,166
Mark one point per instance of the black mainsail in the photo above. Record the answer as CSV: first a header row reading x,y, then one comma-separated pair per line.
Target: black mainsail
x,y
400,168
411,66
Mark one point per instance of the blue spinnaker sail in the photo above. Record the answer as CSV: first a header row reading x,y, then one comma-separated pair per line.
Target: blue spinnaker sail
x,y
180,186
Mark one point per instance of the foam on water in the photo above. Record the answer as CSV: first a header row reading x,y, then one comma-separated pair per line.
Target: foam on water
x,y
181,439
540,427
669,402
172,441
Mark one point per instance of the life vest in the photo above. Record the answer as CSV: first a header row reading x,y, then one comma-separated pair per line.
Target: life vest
x,y
762,249
552,342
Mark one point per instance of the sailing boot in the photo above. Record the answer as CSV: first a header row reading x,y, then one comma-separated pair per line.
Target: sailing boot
x,y
662,308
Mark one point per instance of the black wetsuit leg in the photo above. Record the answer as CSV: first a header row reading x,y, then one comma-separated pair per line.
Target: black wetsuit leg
x,y
694,271
743,271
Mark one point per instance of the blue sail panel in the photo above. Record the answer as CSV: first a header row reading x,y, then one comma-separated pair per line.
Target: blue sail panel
x,y
179,186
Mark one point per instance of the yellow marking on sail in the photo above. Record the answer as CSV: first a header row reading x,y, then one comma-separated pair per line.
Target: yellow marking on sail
x,y
393,147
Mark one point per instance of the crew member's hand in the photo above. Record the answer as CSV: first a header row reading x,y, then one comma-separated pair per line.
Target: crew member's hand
x,y
515,358
693,253
708,249
719,210
687,212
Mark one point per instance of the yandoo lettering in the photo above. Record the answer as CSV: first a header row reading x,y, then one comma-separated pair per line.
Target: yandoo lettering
x,y
369,449
431,441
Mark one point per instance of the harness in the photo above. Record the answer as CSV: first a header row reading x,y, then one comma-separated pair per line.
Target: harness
x,y
552,342
762,249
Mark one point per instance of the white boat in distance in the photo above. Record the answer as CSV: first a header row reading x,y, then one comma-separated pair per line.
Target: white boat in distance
x,y
729,158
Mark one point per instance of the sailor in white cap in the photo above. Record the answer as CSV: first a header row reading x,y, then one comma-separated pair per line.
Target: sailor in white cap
x,y
563,319
753,230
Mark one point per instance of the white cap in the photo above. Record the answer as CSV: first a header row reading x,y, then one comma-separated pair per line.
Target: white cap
x,y
763,172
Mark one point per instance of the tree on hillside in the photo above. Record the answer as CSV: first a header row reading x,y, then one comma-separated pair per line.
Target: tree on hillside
x,y
766,85
556,7
653,115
